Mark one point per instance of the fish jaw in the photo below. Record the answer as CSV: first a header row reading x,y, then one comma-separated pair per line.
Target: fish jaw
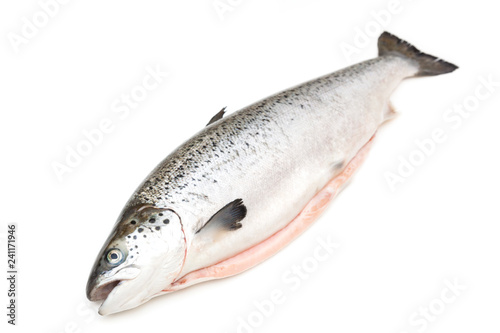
x,y
130,293
132,286
125,295
121,293
267,248
100,287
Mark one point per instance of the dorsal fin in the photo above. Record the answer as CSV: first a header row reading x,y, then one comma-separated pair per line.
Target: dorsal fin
x,y
218,116
226,219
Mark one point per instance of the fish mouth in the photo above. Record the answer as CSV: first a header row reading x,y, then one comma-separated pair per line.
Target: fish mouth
x,y
101,292
109,293
100,287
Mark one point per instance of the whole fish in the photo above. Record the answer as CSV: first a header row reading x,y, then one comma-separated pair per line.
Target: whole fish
x,y
248,184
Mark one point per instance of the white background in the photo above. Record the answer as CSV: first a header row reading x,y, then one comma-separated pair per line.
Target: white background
x,y
397,248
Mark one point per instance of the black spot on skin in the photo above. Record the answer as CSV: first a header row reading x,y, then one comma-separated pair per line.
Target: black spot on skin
x,y
140,230
136,246
129,236
131,257
133,222
135,237
144,236
131,249
157,228
166,221
152,220
161,214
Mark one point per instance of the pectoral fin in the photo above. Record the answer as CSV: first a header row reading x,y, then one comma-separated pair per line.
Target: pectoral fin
x,y
226,219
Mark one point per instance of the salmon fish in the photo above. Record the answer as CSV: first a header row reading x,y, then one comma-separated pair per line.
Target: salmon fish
x,y
247,184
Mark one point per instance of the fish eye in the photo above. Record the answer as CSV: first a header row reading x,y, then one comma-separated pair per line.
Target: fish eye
x,y
114,256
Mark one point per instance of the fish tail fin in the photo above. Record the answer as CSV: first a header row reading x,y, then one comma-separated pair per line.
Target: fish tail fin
x,y
427,65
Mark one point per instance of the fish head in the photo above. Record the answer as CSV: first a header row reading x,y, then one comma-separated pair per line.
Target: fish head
x,y
143,255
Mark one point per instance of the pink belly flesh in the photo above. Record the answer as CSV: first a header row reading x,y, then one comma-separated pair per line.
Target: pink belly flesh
x,y
280,239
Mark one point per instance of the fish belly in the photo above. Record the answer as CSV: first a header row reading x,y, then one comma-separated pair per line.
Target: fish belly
x,y
268,247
